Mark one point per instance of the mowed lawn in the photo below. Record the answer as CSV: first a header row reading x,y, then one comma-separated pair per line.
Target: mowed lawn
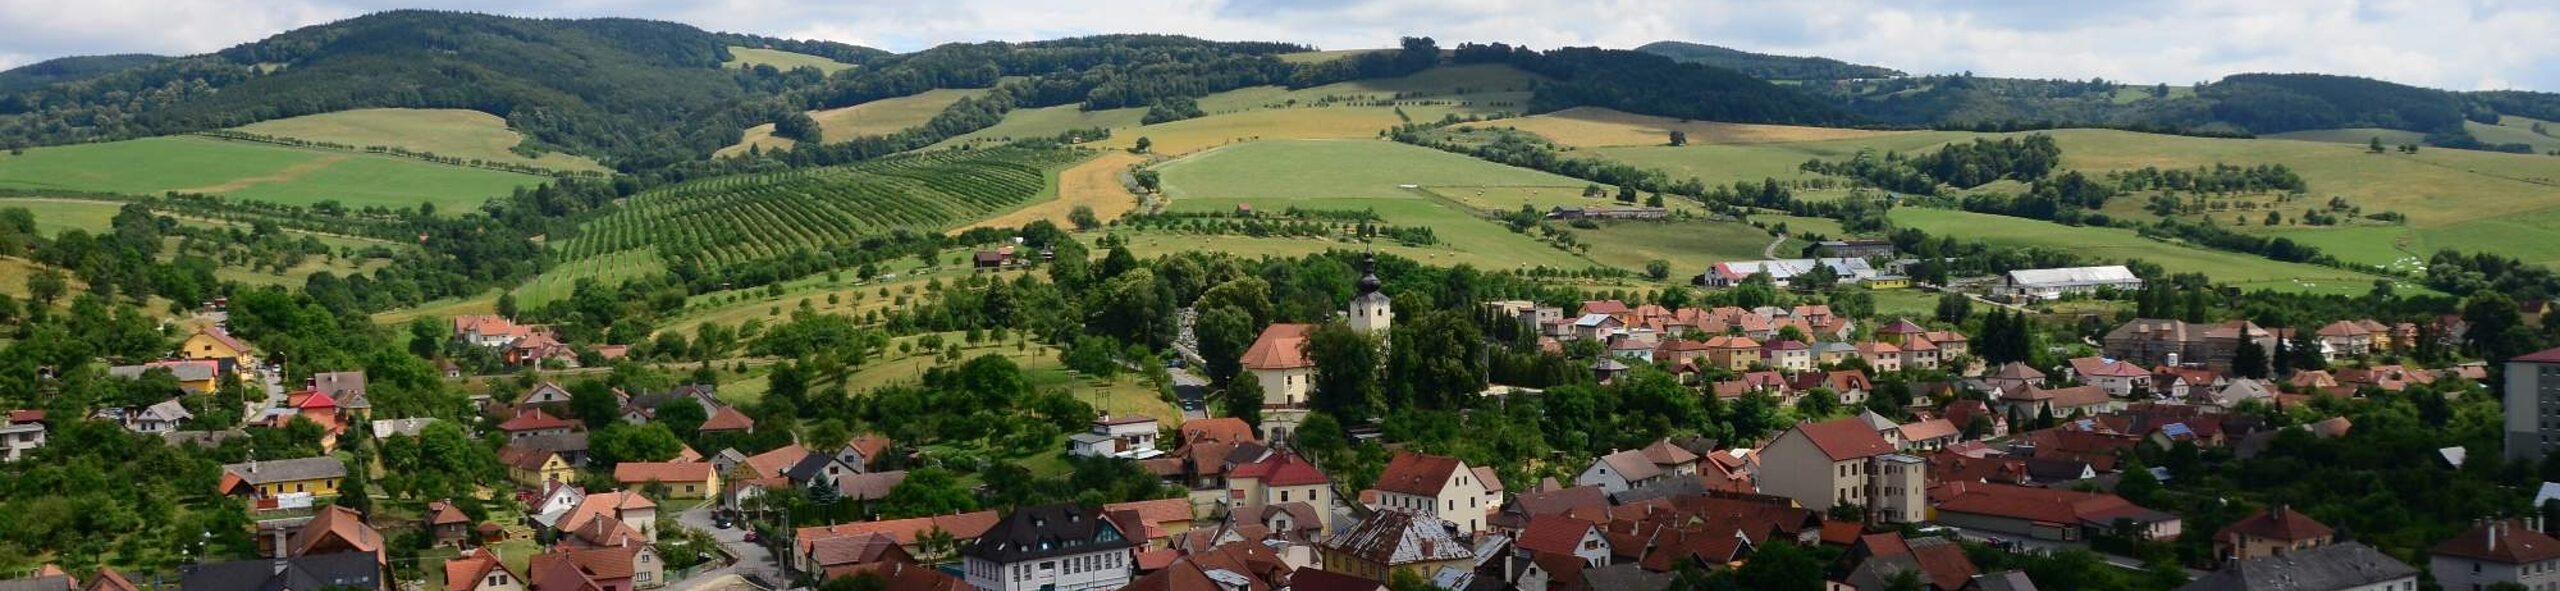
x,y
1366,174
55,215
2115,246
1725,164
459,133
245,170
1689,245
1340,110
741,57
880,117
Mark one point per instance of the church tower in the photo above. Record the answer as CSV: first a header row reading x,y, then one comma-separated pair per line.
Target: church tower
x,y
1370,311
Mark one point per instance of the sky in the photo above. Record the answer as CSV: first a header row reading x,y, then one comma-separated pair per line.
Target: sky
x,y
2455,44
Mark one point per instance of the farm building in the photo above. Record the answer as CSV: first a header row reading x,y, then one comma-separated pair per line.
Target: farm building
x,y
1856,248
2046,284
1729,274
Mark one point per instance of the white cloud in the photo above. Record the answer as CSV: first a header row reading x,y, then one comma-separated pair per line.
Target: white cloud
x,y
2462,45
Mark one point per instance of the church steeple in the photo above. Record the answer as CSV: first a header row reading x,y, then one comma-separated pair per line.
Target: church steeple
x,y
1369,283
1371,312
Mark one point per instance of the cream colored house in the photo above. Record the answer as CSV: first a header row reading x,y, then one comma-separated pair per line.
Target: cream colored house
x,y
1278,362
1436,486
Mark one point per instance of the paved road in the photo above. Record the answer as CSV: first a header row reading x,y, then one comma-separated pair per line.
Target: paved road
x,y
753,559
1192,391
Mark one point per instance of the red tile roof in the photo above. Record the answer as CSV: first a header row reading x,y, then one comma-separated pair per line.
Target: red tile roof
x,y
2277,523
2503,542
1281,469
2044,505
1843,439
535,420
639,472
1279,347
728,418
466,572
1554,534
1418,474
1221,429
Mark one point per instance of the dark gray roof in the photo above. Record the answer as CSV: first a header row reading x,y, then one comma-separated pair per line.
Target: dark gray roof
x,y
266,471
811,466
556,442
49,583
2327,568
1032,533
352,570
1626,576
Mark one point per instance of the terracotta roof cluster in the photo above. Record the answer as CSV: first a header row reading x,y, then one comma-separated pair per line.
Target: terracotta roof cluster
x,y
2042,505
1235,566
962,527
1280,468
535,420
2281,523
1710,528
466,571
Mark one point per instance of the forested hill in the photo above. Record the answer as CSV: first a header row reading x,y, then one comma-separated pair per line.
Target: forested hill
x,y
1766,66
71,69
630,91
2236,104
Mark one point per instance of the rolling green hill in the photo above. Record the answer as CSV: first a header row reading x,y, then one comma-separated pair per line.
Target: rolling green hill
x,y
627,90
71,69
263,172
1765,66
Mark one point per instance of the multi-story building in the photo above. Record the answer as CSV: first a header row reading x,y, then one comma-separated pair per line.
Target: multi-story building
x,y
2345,566
1063,547
1842,462
1436,486
2533,405
20,434
2505,551
1279,364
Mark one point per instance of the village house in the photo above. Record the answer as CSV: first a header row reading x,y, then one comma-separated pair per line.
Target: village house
x,y
344,570
2120,379
214,344
1849,271
911,533
1844,462
197,376
1619,471
1279,364
684,480
480,570
534,466
2345,339
1735,353
634,566
2061,402
165,417
533,422
2273,532
1280,478
1061,547
2345,566
272,479
2013,377
2498,551
446,524
1436,486
1787,355
2171,342
1129,435
1391,540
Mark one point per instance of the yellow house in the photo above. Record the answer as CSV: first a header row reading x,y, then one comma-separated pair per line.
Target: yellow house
x,y
684,480
536,467
194,376
213,344
1888,282
317,476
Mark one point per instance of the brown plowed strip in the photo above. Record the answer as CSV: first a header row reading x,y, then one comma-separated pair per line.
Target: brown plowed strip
x,y
1095,184
288,174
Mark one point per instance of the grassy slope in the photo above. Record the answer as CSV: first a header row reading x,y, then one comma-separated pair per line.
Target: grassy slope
x,y
751,56
2246,271
1730,163
1317,57
55,215
1360,174
1596,127
445,132
878,117
1272,112
255,171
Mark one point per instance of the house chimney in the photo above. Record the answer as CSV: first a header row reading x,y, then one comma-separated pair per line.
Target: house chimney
x,y
2494,526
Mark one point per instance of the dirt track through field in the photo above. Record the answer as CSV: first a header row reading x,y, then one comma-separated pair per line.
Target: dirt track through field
x,y
285,175
1095,184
